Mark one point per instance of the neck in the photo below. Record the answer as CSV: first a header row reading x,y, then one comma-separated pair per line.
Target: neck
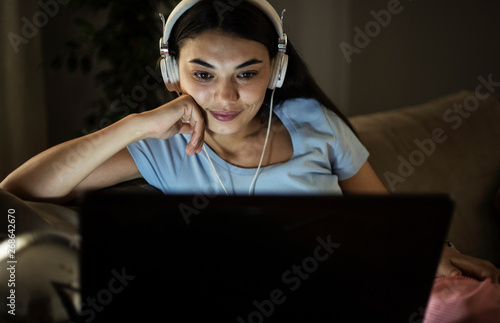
x,y
243,148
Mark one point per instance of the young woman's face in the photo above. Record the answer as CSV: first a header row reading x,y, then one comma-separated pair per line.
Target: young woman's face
x,y
227,76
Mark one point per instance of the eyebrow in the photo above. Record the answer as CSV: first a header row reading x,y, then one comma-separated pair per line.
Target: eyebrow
x,y
207,65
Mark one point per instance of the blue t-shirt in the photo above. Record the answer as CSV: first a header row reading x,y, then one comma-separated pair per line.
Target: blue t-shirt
x,y
325,150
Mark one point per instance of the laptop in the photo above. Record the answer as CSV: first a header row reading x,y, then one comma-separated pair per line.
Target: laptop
x,y
195,258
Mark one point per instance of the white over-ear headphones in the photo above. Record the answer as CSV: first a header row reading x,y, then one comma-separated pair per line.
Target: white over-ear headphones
x,y
168,64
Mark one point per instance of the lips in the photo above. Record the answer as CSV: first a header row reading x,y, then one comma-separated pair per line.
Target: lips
x,y
225,116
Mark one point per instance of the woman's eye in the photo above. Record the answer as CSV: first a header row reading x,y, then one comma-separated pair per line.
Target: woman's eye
x,y
247,75
203,75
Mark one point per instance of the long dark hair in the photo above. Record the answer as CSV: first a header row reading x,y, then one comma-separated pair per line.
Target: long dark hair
x,y
247,21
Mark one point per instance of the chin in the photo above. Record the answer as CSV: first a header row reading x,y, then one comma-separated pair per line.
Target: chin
x,y
222,130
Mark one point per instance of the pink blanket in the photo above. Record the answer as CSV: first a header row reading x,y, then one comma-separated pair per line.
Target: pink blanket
x,y
463,299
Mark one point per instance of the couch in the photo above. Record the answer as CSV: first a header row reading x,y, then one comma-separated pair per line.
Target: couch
x,y
448,145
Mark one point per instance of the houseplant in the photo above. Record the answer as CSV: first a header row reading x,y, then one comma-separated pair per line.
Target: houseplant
x,y
119,53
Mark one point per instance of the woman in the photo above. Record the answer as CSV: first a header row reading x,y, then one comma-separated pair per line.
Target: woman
x,y
217,137
224,74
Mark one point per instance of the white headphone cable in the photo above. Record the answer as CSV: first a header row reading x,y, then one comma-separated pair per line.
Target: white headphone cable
x,y
265,142
261,156
216,174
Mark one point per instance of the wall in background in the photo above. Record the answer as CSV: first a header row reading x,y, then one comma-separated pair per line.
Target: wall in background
x,y
430,49
378,55
316,28
23,125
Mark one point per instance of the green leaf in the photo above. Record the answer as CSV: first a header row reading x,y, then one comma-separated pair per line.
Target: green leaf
x,y
122,45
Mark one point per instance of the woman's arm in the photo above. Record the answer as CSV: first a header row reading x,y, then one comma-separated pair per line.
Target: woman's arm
x,y
364,182
119,168
66,169
53,174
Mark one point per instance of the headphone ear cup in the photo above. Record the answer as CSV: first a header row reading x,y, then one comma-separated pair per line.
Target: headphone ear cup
x,y
280,75
164,72
170,73
274,73
173,73
278,71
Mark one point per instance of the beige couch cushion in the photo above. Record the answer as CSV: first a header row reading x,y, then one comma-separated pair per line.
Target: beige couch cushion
x,y
38,216
446,145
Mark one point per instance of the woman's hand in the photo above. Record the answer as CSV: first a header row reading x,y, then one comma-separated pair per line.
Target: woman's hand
x,y
453,263
167,121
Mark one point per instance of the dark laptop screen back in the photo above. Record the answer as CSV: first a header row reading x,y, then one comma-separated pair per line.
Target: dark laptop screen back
x,y
260,259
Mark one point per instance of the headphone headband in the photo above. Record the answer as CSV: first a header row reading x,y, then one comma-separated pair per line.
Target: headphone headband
x,y
185,5
169,66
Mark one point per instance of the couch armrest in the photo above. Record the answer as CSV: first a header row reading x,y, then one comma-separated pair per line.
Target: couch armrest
x,y
41,216
37,216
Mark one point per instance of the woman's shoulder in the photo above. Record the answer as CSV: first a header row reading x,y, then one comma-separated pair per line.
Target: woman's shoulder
x,y
305,110
299,103
299,108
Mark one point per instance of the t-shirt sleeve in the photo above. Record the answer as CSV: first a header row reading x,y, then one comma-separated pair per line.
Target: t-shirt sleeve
x,y
157,161
347,153
143,154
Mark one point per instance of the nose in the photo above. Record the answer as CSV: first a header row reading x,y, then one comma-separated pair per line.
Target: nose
x,y
227,91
